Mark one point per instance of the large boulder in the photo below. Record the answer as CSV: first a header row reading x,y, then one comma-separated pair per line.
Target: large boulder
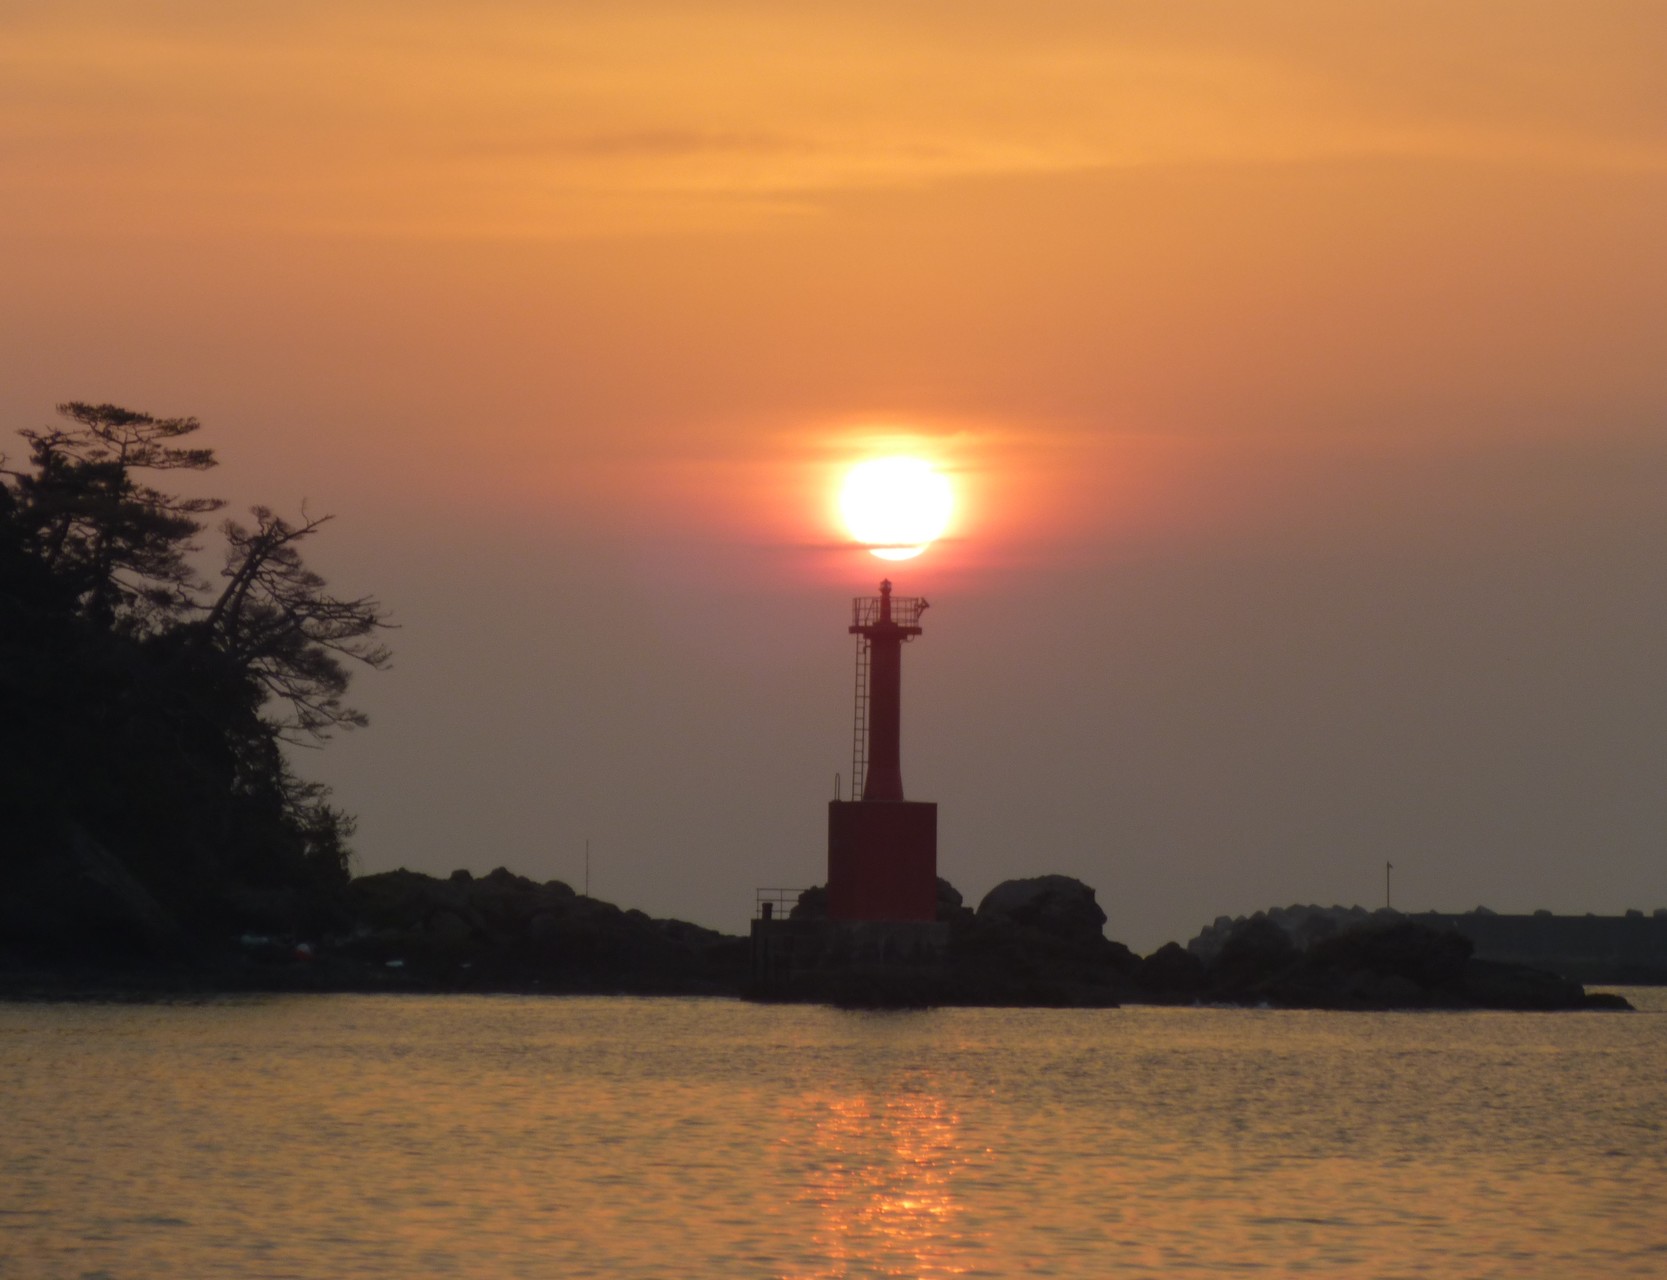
x,y
1306,925
1171,972
951,909
508,902
1256,952
1059,906
1430,959
812,904
1493,985
403,901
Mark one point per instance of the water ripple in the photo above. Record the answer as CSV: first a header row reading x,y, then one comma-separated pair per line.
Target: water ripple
x,y
502,1137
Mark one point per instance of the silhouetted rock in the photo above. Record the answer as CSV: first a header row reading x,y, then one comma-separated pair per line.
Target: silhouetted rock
x,y
1401,964
1049,951
1039,941
1629,948
1034,942
1305,926
450,928
1256,953
1431,959
1491,985
1056,905
812,904
1170,971
523,935
951,908
1607,1000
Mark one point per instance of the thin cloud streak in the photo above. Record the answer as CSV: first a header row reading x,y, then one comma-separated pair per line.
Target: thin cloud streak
x,y
538,124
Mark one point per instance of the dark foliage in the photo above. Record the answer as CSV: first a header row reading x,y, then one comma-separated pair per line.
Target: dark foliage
x,y
145,719
120,545
277,622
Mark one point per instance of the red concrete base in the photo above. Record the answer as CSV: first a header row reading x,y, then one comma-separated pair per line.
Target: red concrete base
x,y
882,860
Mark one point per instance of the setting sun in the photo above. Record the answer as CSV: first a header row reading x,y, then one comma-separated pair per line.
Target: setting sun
x,y
896,507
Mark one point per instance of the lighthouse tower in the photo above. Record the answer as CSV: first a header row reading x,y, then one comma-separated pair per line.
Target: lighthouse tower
x,y
882,849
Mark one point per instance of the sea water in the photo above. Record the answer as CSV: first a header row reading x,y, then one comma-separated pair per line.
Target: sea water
x,y
348,1136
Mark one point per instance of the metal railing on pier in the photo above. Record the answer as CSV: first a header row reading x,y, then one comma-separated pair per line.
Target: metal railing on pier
x,y
774,904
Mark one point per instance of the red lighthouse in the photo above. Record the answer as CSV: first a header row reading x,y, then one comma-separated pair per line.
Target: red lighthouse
x,y
882,849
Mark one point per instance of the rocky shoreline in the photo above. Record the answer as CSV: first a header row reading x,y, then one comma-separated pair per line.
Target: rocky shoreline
x,y
396,931
1040,942
1031,942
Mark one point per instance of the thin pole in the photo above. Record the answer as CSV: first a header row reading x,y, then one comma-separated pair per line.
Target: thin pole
x,y
587,866
1388,902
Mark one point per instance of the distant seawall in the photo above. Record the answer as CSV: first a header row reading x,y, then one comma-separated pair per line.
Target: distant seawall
x,y
1606,949
1617,949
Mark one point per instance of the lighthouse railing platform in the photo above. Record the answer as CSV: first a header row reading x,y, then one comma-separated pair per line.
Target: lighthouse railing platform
x,y
905,610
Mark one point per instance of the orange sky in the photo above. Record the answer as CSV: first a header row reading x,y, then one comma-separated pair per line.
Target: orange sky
x,y
1265,340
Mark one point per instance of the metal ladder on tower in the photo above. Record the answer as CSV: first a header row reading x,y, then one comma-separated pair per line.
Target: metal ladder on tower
x,y
859,735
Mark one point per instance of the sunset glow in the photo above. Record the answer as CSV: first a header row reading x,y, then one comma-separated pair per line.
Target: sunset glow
x,y
897,507
1284,381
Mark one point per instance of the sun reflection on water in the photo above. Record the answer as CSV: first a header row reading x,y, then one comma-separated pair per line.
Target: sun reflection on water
x,y
881,1187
